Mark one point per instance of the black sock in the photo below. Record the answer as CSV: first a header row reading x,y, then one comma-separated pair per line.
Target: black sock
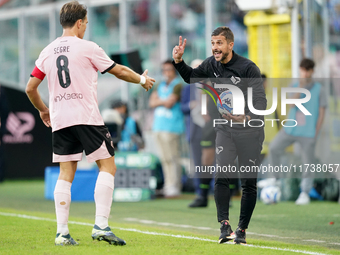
x,y
205,187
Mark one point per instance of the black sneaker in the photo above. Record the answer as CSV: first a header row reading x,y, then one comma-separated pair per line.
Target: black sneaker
x,y
199,202
226,233
106,235
240,236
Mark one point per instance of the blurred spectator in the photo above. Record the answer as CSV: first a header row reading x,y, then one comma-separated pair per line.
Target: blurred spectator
x,y
334,16
270,130
131,134
168,125
141,11
105,20
305,133
191,108
208,154
112,22
186,20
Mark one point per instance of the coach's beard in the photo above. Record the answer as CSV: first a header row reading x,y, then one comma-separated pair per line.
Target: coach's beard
x,y
220,54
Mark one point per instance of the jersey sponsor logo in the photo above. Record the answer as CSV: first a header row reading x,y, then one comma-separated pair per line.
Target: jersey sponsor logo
x,y
219,149
235,80
18,124
66,96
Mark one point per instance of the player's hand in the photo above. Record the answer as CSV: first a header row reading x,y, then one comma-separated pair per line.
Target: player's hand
x,y
149,81
178,50
45,117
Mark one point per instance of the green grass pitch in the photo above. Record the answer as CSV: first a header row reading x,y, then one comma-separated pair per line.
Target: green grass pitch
x,y
160,226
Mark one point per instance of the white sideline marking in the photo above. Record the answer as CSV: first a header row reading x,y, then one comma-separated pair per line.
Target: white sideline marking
x,y
334,215
314,241
158,234
151,222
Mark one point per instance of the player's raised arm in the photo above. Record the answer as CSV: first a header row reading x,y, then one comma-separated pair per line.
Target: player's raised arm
x,y
128,75
178,50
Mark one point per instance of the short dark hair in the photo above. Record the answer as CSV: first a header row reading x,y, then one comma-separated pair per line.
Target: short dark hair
x,y
168,61
224,31
307,64
117,104
71,12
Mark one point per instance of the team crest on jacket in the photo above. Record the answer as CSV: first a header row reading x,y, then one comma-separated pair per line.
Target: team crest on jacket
x,y
235,80
219,149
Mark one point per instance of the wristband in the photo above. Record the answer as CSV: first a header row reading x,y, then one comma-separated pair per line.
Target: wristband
x,y
142,80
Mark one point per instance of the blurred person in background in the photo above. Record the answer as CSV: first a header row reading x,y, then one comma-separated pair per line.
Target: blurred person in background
x,y
191,108
168,126
268,129
131,134
71,65
306,132
186,20
208,154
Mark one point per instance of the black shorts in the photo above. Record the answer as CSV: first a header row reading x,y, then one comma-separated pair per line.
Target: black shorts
x,y
69,143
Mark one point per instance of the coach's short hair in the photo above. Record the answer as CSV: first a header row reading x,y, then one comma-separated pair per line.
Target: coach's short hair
x,y
71,12
224,31
307,64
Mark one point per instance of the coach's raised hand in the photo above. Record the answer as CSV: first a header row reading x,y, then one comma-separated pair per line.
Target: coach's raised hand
x,y
148,81
178,50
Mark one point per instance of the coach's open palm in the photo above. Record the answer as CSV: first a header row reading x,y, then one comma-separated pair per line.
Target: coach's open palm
x,y
178,50
148,82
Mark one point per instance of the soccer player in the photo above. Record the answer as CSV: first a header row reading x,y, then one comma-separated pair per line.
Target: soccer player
x,y
240,141
71,64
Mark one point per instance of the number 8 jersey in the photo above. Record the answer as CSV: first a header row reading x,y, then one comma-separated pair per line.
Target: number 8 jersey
x,y
71,65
